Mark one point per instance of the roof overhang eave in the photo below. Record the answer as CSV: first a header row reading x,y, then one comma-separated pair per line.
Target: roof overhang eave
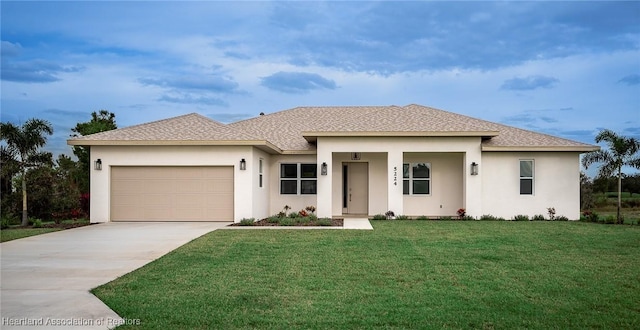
x,y
260,144
580,149
313,136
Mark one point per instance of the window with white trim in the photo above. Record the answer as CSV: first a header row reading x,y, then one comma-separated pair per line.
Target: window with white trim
x,y
526,176
298,179
416,179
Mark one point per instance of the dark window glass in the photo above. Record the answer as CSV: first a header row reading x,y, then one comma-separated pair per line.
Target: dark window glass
x,y
405,171
260,180
289,171
309,170
526,186
289,187
405,187
420,187
526,168
308,187
421,170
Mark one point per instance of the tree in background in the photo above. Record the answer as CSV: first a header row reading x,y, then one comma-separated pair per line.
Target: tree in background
x,y
586,192
23,144
622,151
101,121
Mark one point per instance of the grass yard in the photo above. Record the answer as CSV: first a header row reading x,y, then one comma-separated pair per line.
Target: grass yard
x,y
15,233
403,274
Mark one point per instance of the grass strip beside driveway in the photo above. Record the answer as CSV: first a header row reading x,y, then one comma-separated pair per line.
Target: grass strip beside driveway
x,y
11,234
403,274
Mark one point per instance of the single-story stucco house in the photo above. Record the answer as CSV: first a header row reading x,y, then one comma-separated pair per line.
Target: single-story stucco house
x,y
361,161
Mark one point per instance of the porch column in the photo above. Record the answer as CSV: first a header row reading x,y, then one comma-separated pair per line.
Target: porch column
x,y
324,200
395,198
473,183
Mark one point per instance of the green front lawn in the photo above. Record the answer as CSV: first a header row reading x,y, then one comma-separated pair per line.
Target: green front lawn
x,y
403,274
15,233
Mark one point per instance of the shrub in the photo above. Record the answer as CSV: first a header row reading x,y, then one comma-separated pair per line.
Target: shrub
x,y
610,219
445,217
591,216
287,221
313,217
538,217
247,221
324,222
37,223
402,217
293,215
521,217
379,217
562,218
273,219
488,217
303,213
303,220
461,212
389,215
4,223
552,213
467,218
422,217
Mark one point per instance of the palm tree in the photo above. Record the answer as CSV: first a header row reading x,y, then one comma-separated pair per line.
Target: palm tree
x,y
622,152
23,143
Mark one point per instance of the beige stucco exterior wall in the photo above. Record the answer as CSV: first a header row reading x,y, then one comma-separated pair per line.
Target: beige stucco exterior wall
x,y
296,202
556,184
171,156
446,185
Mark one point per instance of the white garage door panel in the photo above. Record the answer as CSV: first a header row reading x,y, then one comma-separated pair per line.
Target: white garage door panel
x,y
171,193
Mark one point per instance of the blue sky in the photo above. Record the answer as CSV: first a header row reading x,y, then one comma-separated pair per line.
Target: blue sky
x,y
564,68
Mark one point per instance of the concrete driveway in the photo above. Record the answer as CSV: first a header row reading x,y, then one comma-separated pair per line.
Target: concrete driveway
x,y
45,280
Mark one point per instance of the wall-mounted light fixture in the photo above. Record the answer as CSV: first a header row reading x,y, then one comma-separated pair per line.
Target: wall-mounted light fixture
x,y
474,168
97,165
243,164
323,169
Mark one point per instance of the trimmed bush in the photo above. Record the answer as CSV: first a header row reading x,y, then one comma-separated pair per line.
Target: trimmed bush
x,y
379,217
562,218
402,217
467,218
488,217
445,217
287,222
521,217
422,217
247,221
303,220
324,222
294,215
273,219
610,219
37,223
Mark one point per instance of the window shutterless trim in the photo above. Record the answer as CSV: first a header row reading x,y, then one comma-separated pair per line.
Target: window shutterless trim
x,y
304,183
527,180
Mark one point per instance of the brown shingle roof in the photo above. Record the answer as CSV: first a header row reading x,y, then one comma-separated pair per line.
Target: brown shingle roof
x,y
291,130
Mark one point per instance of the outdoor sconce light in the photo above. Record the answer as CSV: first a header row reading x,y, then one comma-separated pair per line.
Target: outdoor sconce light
x,y
323,169
243,164
97,165
474,168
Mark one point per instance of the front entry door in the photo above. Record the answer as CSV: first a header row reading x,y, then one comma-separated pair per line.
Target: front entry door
x,y
355,197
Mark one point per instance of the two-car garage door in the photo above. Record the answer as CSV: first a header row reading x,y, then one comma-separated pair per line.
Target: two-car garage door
x,y
171,193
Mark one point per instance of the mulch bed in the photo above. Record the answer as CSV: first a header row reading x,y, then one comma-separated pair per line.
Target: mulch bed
x,y
265,223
